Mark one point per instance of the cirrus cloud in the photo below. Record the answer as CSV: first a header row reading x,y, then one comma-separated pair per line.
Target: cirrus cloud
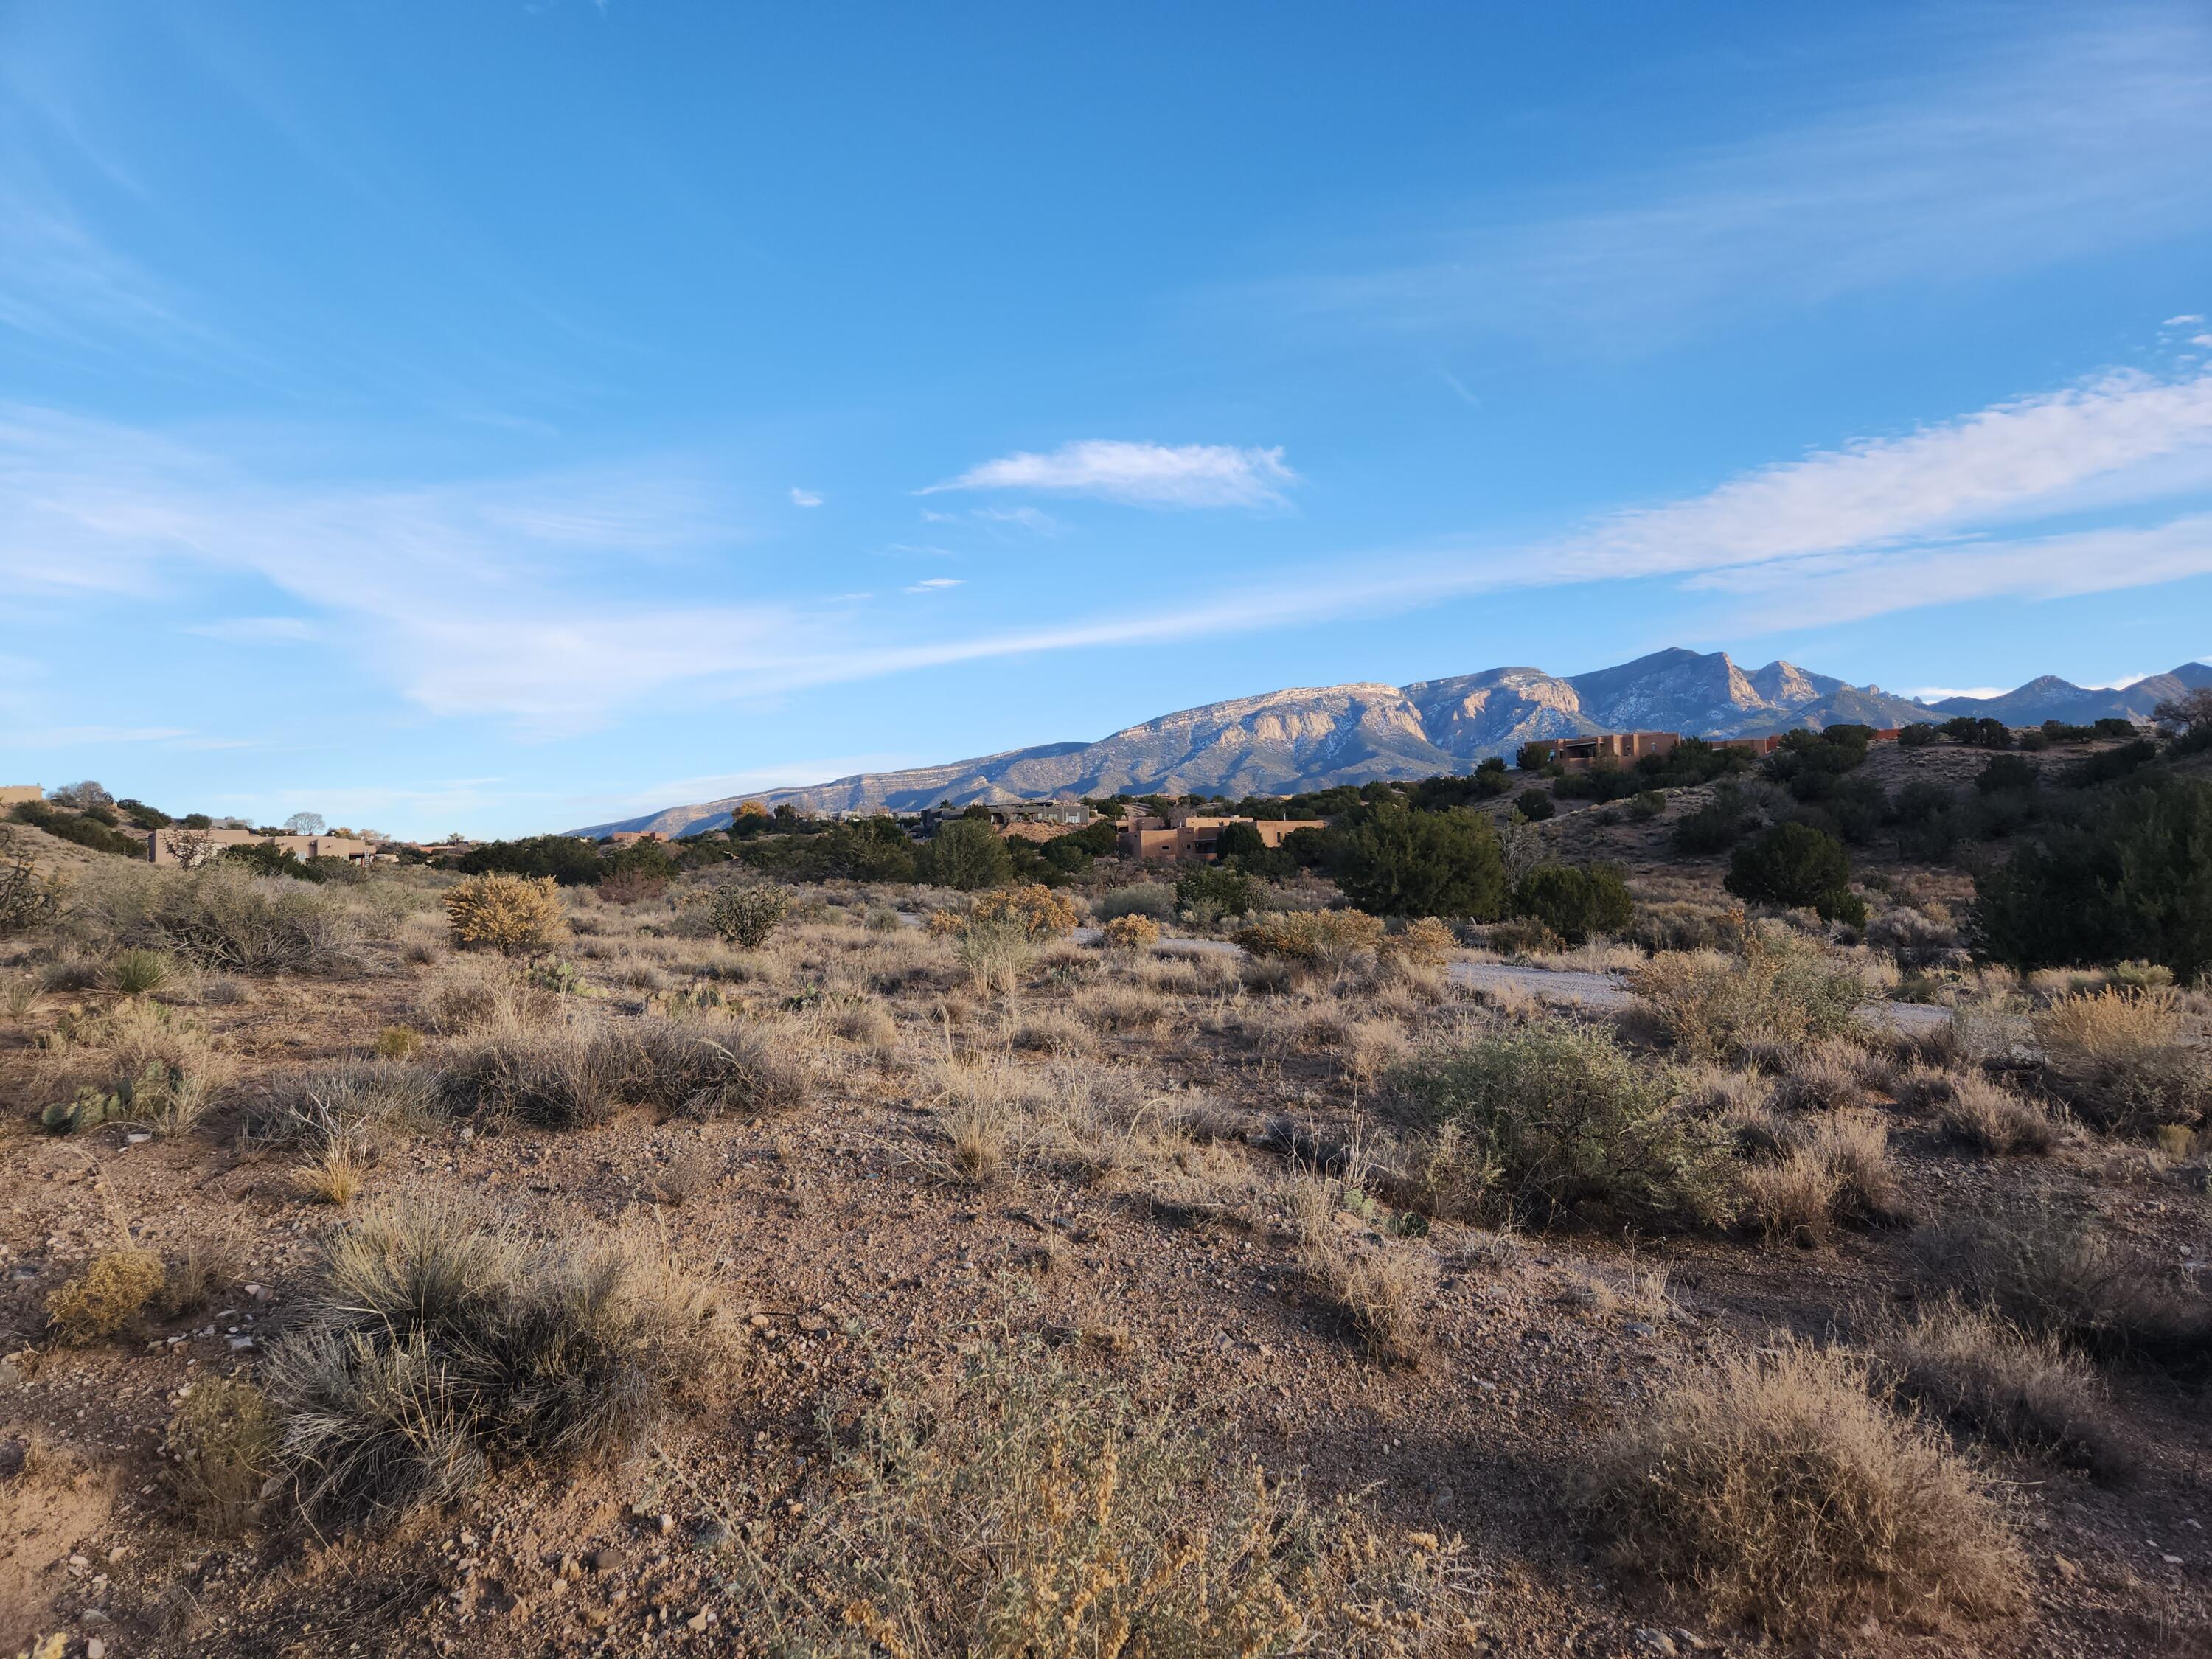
x,y
1140,474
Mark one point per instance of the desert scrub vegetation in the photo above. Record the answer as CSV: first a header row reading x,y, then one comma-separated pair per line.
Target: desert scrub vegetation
x,y
2062,1277
1131,931
1557,1120
2021,1390
514,915
2126,1059
1115,1527
1038,912
440,1344
576,1074
1983,1114
1778,994
1320,938
219,1450
1807,1173
1780,1492
219,919
112,1291
1384,1293
746,914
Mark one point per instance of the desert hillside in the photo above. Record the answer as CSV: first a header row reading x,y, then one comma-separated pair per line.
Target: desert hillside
x,y
708,1256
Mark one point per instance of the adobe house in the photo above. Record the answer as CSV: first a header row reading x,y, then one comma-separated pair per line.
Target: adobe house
x,y
631,837
1617,747
175,846
1146,837
13,795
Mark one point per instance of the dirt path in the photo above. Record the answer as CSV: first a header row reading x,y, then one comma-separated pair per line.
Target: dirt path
x,y
1592,990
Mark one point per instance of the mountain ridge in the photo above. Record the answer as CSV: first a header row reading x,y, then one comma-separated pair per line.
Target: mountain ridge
x,y
1302,737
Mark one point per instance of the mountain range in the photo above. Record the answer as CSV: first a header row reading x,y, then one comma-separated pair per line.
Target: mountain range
x,y
1281,742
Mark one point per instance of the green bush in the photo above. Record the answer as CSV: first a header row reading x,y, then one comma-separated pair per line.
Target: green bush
x,y
1576,900
2132,880
1567,1121
1226,892
1647,805
1780,994
1918,735
966,854
569,860
1155,899
1400,863
745,915
265,858
2006,774
1535,805
71,827
1795,864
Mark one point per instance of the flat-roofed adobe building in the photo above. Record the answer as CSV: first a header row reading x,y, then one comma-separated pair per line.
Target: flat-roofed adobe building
x,y
1147,837
190,846
1617,747
16,794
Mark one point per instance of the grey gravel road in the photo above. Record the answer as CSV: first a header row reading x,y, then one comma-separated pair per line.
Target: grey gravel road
x,y
1592,990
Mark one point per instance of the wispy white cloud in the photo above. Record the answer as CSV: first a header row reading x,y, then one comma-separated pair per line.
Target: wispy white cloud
x,y
488,598
1142,474
2187,319
2008,152
805,497
1022,518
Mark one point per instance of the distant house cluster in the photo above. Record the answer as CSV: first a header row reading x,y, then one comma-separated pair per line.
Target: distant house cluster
x,y
13,795
1144,836
191,847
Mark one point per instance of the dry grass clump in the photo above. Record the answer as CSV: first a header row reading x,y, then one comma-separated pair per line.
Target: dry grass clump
x,y
1130,932
1780,995
2018,1389
1831,1168
2123,1058
1114,1527
1567,1120
1323,937
2062,1278
220,1447
319,1104
1991,1118
336,1173
440,1344
686,1069
555,1078
1779,1493
1386,1294
514,915
209,1264
979,1140
1824,1076
996,953
1052,1032
1121,1007
468,996
867,1023
114,1290
219,917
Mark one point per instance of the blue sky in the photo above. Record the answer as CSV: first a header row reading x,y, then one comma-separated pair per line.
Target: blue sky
x,y
501,417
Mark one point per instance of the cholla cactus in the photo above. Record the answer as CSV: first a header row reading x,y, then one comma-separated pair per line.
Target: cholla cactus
x,y
745,916
512,914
